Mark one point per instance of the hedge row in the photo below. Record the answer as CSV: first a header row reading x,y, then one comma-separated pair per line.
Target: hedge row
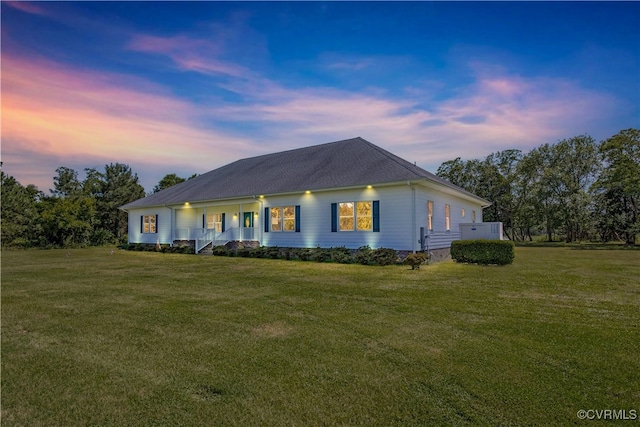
x,y
500,252
363,255
178,249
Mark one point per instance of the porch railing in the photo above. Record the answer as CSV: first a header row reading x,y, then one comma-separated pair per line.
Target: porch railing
x,y
204,237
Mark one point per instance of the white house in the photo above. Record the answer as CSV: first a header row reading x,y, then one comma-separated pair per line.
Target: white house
x,y
347,193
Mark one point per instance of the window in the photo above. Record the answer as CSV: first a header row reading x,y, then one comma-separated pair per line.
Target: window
x,y
149,224
276,219
462,212
364,215
430,215
355,216
289,215
214,222
473,216
447,217
282,218
347,214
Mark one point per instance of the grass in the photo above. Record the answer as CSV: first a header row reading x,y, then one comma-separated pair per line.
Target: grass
x,y
140,338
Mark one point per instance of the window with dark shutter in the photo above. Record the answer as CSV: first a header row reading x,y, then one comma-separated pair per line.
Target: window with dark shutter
x,y
334,217
376,216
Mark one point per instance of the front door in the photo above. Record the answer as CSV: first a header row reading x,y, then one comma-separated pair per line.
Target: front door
x,y
248,219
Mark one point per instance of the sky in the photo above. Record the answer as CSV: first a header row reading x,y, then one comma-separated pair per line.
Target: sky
x,y
185,88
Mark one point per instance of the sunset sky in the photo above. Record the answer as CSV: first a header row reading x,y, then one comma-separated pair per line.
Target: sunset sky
x,y
187,87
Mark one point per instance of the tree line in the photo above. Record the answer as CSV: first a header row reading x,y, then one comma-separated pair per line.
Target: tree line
x,y
76,213
576,189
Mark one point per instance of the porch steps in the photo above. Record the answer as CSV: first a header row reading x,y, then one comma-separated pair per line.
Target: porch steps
x,y
208,249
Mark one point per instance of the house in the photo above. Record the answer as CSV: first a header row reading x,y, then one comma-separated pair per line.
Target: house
x,y
348,193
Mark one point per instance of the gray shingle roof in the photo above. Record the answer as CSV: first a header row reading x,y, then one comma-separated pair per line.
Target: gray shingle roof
x,y
340,164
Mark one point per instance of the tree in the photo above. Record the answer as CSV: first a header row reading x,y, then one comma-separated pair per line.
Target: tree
x,y
68,221
574,167
66,183
169,180
114,187
18,209
617,189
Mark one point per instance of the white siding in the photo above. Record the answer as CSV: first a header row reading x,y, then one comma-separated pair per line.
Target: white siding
x,y
439,237
163,234
403,210
315,219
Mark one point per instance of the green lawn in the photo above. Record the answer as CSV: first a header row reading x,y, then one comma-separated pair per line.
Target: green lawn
x,y
135,338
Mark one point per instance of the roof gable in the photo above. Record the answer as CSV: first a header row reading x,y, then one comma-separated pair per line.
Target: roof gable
x,y
339,164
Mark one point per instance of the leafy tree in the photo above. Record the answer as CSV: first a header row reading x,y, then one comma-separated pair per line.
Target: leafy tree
x,y
573,167
18,209
66,183
617,190
114,187
545,189
68,221
169,180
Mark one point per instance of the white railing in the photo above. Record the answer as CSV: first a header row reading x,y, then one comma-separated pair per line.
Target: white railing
x,y
188,233
206,237
203,240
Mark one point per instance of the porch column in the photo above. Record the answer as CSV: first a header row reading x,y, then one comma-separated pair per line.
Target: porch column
x,y
240,222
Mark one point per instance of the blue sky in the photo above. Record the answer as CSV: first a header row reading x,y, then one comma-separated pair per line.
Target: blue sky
x,y
187,87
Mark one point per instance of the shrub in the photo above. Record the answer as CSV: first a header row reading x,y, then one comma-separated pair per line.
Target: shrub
x,y
415,260
380,256
244,252
484,252
364,256
321,255
220,251
385,256
341,255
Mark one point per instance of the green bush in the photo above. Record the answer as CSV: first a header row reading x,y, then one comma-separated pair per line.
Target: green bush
x,y
380,256
321,255
342,255
385,256
365,255
500,252
415,260
220,251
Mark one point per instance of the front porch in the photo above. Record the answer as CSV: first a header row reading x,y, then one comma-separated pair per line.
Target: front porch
x,y
201,238
216,224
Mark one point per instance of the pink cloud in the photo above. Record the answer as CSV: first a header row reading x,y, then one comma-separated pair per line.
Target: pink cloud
x,y
60,112
495,113
192,54
27,7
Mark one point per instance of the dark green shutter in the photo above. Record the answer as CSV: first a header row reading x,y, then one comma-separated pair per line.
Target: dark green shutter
x,y
222,222
141,224
204,221
297,218
156,224
376,216
266,220
334,217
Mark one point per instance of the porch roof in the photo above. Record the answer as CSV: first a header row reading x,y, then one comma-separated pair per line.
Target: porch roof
x,y
340,164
